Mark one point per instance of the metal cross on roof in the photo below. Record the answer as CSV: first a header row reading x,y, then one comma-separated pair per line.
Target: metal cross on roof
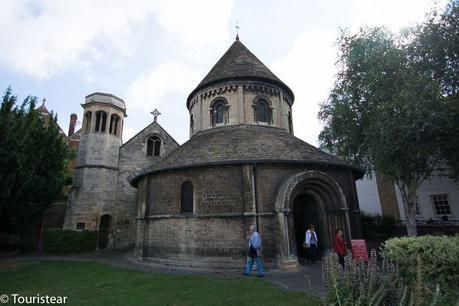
x,y
237,29
155,114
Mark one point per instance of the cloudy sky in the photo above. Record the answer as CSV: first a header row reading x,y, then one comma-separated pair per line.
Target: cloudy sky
x,y
153,53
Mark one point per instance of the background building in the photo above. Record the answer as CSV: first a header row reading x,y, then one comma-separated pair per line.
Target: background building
x,y
438,199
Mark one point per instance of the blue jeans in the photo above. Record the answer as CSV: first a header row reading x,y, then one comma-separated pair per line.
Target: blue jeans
x,y
248,267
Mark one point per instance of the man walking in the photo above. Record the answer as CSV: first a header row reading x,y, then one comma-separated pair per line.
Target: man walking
x,y
254,252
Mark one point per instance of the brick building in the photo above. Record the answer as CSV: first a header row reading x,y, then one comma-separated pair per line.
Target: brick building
x,y
191,204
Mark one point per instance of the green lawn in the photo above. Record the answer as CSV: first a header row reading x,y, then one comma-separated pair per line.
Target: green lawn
x,y
90,283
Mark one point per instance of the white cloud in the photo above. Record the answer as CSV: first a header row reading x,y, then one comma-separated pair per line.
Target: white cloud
x,y
46,36
394,14
308,69
41,38
151,89
195,25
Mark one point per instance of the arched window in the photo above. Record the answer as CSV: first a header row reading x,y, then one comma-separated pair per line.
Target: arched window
x,y
262,111
87,122
153,146
191,123
114,123
101,121
218,112
290,124
186,203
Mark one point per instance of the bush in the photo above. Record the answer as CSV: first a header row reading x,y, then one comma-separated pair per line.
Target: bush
x,y
432,261
68,241
360,283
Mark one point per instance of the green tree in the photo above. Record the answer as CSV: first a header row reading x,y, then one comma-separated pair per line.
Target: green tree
x,y
33,156
389,112
436,48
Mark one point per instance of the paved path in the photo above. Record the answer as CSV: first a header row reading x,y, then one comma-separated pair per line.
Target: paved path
x,y
307,279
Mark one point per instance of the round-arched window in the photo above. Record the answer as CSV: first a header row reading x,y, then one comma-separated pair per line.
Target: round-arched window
x,y
218,112
262,111
186,203
101,121
153,146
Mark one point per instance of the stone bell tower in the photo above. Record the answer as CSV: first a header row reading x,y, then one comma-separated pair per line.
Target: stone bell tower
x,y
91,204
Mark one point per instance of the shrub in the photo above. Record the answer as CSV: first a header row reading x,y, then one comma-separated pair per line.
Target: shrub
x,y
360,283
68,241
431,260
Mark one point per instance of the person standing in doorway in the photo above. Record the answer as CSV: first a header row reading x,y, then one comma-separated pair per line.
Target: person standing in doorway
x,y
254,252
311,242
339,246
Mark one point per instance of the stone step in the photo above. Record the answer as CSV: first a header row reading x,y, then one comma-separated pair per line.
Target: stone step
x,y
289,266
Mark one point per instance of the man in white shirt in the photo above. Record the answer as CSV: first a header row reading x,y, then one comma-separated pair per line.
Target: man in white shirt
x,y
254,252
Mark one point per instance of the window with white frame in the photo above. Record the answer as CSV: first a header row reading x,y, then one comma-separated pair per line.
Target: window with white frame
x,y
441,205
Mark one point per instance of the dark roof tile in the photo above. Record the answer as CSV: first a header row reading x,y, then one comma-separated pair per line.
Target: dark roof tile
x,y
238,63
242,144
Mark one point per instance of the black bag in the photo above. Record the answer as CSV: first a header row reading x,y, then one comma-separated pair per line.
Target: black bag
x,y
252,252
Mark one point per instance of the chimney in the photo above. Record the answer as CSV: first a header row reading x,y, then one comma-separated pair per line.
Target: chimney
x,y
73,121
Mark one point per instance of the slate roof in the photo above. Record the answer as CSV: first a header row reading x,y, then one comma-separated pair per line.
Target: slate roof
x,y
242,144
238,63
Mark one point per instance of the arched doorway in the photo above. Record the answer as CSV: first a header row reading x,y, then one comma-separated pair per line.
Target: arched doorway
x,y
305,211
305,198
104,230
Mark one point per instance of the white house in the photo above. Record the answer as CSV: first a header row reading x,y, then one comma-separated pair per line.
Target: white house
x,y
438,199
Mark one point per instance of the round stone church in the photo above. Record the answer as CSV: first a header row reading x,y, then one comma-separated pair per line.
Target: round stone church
x,y
242,166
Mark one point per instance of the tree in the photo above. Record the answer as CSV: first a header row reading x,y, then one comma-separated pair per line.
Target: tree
x,y
436,48
389,112
33,155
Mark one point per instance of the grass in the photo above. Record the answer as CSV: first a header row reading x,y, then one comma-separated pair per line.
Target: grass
x,y
90,283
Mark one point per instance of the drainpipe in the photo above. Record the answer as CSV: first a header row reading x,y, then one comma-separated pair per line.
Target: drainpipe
x,y
254,171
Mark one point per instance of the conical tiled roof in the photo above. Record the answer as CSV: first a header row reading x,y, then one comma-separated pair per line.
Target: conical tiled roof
x,y
238,63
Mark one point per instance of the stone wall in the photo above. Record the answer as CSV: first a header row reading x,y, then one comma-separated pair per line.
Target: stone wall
x,y
224,208
205,241
132,157
98,149
240,98
93,195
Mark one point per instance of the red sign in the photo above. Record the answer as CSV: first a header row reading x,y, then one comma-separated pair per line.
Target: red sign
x,y
359,249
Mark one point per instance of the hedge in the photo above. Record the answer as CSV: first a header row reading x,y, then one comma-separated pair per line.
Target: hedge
x,y
68,241
439,261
